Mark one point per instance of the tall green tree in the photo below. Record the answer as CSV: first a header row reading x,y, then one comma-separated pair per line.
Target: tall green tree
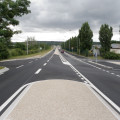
x,y
9,11
85,36
105,35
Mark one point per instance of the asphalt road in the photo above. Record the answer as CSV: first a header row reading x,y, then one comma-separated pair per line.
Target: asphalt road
x,y
51,67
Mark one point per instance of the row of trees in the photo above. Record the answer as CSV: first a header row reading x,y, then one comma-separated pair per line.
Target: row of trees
x,y
9,11
82,43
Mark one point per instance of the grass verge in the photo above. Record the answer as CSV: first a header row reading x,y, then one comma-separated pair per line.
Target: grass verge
x,y
43,52
1,67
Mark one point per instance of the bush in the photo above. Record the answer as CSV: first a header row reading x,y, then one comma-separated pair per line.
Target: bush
x,y
3,51
17,52
111,55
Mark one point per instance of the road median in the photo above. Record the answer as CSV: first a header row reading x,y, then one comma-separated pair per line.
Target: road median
x,y
60,99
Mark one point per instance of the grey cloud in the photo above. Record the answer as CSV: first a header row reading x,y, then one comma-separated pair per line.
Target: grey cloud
x,y
70,14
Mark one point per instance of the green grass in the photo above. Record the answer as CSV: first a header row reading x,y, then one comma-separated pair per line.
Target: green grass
x,y
31,55
98,57
43,52
1,67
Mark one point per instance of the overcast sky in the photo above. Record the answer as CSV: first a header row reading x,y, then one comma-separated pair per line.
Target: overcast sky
x,y
58,20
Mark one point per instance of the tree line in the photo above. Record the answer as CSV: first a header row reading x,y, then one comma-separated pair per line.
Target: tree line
x,y
82,43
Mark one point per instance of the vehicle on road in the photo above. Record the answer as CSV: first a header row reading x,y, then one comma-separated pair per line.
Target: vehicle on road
x,y
62,51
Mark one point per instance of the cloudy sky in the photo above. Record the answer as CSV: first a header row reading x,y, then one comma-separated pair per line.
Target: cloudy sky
x,y
58,20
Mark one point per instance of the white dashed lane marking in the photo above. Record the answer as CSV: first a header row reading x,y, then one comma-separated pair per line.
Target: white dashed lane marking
x,y
38,71
19,66
30,61
45,64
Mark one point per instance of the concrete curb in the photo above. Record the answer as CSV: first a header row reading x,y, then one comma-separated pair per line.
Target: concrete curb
x,y
4,70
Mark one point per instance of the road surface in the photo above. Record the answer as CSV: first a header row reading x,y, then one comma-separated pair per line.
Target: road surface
x,y
103,80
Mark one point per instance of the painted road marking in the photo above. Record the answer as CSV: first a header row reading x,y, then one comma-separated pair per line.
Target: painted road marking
x,y
118,75
19,66
30,61
38,71
96,89
11,98
45,64
112,73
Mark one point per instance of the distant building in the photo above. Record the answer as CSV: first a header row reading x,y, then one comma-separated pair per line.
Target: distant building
x,y
115,47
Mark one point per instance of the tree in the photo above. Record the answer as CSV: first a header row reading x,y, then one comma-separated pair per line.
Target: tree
x,y
85,36
105,35
9,11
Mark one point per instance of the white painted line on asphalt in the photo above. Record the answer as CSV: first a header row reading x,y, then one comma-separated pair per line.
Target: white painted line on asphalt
x,y
118,75
30,61
15,102
79,75
112,73
45,64
107,71
19,66
38,71
11,98
98,91
48,61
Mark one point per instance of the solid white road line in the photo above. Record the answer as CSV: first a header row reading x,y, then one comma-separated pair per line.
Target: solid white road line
x,y
96,89
19,66
15,102
38,71
10,99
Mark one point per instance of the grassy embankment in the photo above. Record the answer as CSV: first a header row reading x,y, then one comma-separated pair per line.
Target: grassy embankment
x,y
41,53
1,67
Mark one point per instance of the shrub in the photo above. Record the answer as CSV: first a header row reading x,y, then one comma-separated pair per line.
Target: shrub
x,y
111,55
3,51
17,52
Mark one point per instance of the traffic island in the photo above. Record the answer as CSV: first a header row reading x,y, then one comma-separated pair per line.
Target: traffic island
x,y
60,100
3,69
